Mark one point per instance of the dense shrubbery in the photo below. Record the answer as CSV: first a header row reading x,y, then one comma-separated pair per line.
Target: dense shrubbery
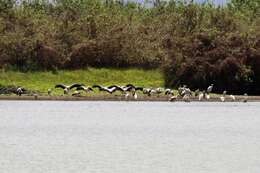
x,y
223,49
76,34
195,44
228,60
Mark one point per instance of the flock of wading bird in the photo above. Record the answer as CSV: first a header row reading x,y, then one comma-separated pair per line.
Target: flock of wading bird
x,y
184,93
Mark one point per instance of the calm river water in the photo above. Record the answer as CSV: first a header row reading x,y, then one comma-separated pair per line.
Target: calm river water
x,y
134,137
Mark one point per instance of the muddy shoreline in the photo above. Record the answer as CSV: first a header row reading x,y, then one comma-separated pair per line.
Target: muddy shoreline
x,y
119,98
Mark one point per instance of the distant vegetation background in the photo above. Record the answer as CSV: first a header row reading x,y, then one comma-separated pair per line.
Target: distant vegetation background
x,y
193,44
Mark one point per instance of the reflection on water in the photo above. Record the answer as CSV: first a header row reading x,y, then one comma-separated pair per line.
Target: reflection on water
x,y
134,137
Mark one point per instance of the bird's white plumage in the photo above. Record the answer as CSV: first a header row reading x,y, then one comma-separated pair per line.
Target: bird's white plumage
x,y
222,98
232,97
201,96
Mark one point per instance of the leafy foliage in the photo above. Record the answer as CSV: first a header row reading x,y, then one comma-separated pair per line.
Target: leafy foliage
x,y
196,44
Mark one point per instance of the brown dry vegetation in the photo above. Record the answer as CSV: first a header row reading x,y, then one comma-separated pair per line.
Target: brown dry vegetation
x,y
228,60
195,44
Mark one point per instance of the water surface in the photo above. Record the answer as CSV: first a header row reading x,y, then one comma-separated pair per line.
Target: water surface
x,y
134,137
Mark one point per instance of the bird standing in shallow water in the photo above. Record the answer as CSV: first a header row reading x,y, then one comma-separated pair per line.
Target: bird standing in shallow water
x,y
232,97
148,91
186,91
169,92
49,92
35,96
186,94
207,96
20,91
201,96
135,96
186,98
181,90
245,98
223,97
196,92
210,88
173,98
158,91
126,95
